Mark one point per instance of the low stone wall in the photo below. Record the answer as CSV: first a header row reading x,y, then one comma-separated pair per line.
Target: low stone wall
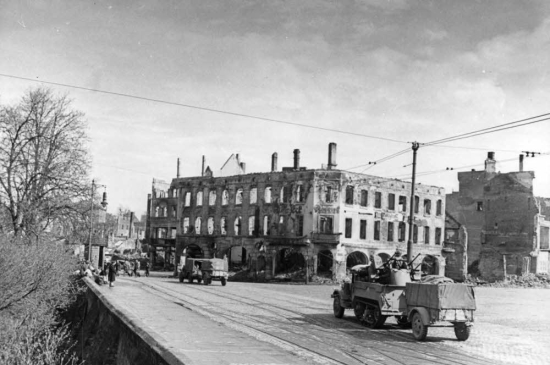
x,y
109,336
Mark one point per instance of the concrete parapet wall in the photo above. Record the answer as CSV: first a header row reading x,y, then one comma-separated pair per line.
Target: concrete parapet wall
x,y
110,336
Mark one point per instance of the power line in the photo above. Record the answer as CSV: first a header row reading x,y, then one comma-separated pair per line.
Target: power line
x,y
205,109
494,129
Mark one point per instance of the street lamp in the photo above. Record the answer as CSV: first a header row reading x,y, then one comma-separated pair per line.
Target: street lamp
x,y
104,205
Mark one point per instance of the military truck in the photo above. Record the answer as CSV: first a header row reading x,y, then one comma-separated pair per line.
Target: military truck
x,y
433,301
204,270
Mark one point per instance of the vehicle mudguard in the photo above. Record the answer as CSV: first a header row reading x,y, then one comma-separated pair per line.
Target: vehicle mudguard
x,y
335,293
424,314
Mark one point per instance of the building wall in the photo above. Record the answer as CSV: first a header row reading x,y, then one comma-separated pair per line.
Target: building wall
x,y
468,205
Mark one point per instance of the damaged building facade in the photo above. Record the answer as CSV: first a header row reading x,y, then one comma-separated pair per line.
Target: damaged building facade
x,y
280,221
508,227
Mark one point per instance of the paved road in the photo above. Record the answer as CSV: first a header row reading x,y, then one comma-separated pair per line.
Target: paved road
x,y
510,324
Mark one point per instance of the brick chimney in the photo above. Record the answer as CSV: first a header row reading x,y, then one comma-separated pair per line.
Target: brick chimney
x,y
274,162
331,156
490,163
296,159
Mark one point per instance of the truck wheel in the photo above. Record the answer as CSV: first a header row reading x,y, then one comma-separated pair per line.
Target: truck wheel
x,y
199,280
337,308
190,278
462,331
224,281
181,278
419,330
359,310
373,318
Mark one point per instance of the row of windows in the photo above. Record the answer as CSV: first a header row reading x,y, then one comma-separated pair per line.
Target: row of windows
x,y
163,212
286,196
392,228
401,202
237,225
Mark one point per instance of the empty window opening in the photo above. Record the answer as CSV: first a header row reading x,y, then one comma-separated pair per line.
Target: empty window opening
x,y
348,227
223,226
363,229
427,206
225,197
416,203
186,225
364,198
325,224
300,228
251,228
237,226
239,197
391,201
198,222
378,199
328,194
401,232
253,195
427,235
210,225
438,236
199,199
212,198
377,230
299,194
439,207
266,225
415,233
187,199
479,206
267,195
390,231
402,203
349,195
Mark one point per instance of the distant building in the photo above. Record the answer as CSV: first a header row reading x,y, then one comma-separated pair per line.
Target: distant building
x,y
508,227
276,221
129,226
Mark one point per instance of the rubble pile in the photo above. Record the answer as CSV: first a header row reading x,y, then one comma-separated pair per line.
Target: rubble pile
x,y
515,281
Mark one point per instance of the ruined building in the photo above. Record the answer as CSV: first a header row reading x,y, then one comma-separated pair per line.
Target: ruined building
x,y
279,221
507,226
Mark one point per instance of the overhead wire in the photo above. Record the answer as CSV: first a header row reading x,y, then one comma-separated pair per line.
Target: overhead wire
x,y
219,111
493,129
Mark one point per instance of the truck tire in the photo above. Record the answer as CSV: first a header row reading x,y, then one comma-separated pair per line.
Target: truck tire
x,y
224,281
181,278
190,278
462,332
337,308
373,318
419,329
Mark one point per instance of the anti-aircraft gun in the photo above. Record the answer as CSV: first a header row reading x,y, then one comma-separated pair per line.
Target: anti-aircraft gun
x,y
396,289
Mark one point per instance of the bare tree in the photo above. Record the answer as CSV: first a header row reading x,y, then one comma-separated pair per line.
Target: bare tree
x,y
44,162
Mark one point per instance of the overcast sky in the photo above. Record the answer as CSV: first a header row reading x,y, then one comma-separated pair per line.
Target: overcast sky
x,y
400,70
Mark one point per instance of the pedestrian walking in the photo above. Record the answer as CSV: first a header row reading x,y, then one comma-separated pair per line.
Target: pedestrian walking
x,y
112,273
147,265
136,268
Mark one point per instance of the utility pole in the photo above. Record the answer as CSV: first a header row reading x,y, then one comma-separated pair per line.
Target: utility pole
x,y
415,146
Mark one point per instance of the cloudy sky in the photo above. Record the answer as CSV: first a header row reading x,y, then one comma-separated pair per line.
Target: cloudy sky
x,y
399,71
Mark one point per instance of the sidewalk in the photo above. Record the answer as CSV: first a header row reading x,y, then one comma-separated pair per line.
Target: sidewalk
x,y
189,337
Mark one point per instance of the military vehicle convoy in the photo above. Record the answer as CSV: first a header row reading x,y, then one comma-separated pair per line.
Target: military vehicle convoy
x,y
395,290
